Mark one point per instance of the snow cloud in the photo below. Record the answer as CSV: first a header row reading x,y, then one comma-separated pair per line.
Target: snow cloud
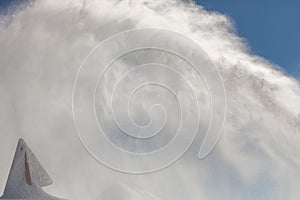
x,y
43,44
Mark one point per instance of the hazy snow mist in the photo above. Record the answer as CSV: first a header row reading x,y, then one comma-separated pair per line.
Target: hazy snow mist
x,y
41,48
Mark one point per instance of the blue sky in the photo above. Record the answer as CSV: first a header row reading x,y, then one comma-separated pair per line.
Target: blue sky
x,y
272,28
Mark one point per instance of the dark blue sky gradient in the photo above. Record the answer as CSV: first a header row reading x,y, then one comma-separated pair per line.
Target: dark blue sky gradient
x,y
6,5
271,27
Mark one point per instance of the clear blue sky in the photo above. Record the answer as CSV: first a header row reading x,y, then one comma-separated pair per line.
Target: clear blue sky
x,y
271,27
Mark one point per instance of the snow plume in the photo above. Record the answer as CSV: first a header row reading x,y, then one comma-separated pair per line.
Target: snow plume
x,y
42,46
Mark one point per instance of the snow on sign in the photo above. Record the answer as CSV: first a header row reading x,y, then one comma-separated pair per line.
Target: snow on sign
x,y
26,177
